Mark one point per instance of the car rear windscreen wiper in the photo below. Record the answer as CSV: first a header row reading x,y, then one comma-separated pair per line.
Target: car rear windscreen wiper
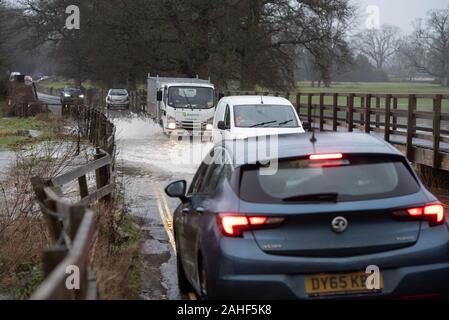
x,y
263,124
317,197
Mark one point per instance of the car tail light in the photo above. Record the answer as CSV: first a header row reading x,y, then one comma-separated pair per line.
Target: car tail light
x,y
434,213
232,225
329,156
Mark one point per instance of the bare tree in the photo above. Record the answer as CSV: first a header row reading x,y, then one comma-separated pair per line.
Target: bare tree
x,y
252,42
378,44
427,49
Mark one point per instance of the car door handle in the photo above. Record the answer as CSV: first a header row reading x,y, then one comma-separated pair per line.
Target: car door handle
x,y
200,210
186,210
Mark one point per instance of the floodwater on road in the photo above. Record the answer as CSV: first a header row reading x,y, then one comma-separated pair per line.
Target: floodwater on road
x,y
7,158
147,161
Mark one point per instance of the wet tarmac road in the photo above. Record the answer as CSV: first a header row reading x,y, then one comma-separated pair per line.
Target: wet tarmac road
x,y
147,161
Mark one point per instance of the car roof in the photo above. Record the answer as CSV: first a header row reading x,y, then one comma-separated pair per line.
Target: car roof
x,y
250,100
299,145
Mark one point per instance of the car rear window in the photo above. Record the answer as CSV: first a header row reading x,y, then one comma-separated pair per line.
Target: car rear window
x,y
352,178
118,92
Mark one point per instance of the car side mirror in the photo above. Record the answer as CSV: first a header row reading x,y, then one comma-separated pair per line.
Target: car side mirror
x,y
160,95
306,126
222,126
221,95
177,189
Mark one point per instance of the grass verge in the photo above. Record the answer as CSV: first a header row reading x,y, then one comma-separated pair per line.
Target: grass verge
x,y
16,132
116,261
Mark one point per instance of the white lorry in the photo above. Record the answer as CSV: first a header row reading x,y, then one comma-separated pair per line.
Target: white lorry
x,y
182,105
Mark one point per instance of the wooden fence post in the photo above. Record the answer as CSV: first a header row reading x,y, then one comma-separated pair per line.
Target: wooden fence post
x,y
51,258
437,102
362,106
309,108
335,113
368,114
395,117
377,112
351,112
322,120
387,117
411,125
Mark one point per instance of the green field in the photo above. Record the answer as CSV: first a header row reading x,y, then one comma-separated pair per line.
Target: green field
x,y
378,87
13,131
58,85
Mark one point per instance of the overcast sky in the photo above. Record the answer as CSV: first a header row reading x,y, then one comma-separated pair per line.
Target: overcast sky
x,y
400,12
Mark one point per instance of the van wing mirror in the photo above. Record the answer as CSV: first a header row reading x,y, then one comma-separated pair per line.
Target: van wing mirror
x,y
160,95
223,126
306,126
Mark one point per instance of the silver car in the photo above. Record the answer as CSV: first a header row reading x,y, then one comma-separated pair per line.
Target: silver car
x,y
117,98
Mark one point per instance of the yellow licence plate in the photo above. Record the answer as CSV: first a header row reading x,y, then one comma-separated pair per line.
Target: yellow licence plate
x,y
339,284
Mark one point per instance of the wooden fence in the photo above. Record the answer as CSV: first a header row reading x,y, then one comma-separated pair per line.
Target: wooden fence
x,y
73,227
417,124
138,101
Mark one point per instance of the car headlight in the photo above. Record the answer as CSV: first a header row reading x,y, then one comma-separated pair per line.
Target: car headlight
x,y
66,95
81,96
209,127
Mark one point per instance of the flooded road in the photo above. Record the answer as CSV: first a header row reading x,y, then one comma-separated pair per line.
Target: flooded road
x,y
7,158
147,161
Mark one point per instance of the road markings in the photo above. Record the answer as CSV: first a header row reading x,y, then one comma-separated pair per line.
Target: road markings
x,y
167,220
165,203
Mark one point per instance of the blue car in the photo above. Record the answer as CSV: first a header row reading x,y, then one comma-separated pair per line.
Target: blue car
x,y
341,217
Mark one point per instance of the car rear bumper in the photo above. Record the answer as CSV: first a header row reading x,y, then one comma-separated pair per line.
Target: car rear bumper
x,y
118,104
408,282
239,269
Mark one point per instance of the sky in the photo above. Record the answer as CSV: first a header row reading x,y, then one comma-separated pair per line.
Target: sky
x,y
399,12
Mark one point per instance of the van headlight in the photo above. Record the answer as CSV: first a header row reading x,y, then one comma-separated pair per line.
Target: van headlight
x,y
171,123
172,126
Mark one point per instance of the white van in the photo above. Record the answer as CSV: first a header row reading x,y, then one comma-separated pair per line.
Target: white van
x,y
182,105
242,117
